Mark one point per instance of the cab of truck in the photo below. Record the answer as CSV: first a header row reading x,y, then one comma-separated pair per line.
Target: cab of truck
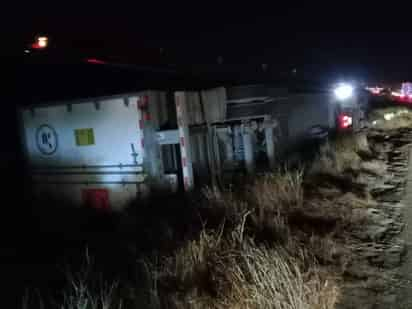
x,y
306,112
350,106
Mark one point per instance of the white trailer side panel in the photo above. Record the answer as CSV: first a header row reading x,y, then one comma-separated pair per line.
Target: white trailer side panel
x,y
90,145
115,129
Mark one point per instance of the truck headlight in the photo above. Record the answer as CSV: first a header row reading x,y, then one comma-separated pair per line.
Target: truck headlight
x,y
343,91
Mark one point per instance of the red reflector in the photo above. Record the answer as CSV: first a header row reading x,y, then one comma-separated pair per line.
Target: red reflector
x,y
147,116
96,198
143,102
95,61
36,46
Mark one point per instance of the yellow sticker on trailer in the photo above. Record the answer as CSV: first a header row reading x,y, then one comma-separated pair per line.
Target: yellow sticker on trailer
x,y
84,137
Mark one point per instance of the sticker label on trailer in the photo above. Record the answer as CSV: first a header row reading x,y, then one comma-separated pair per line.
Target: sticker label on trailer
x,y
46,139
84,137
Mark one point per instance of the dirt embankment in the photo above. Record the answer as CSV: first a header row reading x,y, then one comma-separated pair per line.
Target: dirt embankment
x,y
379,275
370,280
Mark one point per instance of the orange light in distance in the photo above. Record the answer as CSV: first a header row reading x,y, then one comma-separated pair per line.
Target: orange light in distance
x,y
41,42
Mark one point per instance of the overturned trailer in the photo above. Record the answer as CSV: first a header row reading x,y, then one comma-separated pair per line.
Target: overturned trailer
x,y
106,152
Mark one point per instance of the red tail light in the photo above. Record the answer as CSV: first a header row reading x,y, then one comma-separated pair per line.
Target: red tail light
x,y
40,43
345,121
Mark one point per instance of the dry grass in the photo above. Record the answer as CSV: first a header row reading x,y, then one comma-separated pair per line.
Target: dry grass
x,y
267,201
280,206
344,154
273,250
267,194
88,290
269,278
391,118
346,150
80,296
214,272
278,191
85,289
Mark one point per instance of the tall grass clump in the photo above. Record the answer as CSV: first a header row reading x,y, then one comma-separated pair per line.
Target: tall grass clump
x,y
267,201
232,271
87,289
342,154
255,257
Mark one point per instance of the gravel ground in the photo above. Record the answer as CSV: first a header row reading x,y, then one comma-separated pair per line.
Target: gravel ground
x,y
404,293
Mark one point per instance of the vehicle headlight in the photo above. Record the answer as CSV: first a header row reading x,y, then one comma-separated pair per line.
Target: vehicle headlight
x,y
343,91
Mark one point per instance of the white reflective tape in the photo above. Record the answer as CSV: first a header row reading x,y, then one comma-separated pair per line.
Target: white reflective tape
x,y
184,141
140,126
183,151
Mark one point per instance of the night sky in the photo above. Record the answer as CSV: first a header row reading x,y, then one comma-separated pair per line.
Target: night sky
x,y
323,40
